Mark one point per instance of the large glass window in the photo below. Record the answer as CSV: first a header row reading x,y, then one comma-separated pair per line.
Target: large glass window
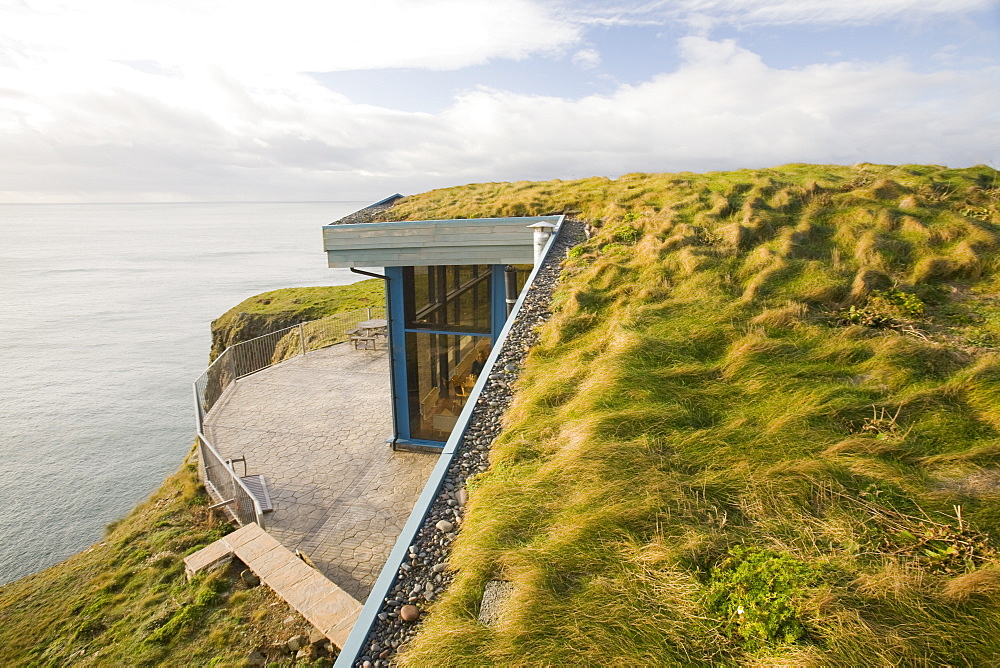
x,y
441,370
450,298
448,330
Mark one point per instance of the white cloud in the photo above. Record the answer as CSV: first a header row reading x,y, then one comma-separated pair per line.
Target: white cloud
x,y
293,36
195,99
725,108
121,99
141,135
776,12
587,59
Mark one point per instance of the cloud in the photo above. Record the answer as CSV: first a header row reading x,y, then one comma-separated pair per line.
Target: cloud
x,y
725,108
210,99
587,59
205,133
295,36
857,12
775,12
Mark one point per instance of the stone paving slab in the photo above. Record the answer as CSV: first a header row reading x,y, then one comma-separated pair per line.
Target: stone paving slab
x,y
327,607
315,426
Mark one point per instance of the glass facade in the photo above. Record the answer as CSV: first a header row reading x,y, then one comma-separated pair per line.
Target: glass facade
x,y
450,316
450,298
441,370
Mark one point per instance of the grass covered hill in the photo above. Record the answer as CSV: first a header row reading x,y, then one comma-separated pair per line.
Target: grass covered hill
x,y
762,427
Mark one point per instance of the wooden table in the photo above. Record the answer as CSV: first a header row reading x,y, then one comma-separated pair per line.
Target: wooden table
x,y
370,330
374,325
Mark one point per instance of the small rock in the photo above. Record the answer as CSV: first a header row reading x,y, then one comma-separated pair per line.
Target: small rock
x,y
409,613
295,643
255,658
439,568
445,526
316,637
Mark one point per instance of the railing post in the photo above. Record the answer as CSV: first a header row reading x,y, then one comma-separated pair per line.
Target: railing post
x,y
302,338
369,313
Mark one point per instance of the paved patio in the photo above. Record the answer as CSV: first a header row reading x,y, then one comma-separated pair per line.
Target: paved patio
x,y
315,426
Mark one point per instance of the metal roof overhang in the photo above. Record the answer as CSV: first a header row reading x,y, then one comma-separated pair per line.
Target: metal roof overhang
x,y
419,243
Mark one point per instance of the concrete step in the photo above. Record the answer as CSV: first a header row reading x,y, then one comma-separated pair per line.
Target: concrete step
x,y
327,607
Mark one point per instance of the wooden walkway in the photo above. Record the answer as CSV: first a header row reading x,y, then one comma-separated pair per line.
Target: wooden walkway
x,y
325,605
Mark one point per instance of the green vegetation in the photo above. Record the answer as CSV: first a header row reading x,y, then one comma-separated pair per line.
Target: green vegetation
x,y
754,591
126,602
706,426
277,309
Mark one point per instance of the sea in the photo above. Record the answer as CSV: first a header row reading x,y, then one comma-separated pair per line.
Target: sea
x,y
104,324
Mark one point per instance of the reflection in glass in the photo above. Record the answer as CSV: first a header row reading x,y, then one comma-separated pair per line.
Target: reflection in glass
x,y
442,367
454,298
441,370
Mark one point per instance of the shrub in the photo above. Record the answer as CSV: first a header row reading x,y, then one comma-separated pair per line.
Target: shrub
x,y
755,591
625,234
896,302
884,308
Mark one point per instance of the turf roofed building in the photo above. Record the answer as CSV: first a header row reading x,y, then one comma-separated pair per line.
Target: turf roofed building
x,y
450,285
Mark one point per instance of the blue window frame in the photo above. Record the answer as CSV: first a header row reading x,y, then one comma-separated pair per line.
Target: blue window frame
x,y
443,321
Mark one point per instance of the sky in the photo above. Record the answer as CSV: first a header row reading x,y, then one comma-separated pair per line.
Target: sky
x,y
246,100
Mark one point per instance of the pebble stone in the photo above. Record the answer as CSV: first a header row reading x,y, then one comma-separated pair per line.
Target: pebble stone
x,y
424,574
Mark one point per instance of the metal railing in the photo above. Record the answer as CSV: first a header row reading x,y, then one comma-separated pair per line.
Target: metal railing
x,y
226,487
242,359
247,357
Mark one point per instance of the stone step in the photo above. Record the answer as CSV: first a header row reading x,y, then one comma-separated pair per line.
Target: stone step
x,y
325,605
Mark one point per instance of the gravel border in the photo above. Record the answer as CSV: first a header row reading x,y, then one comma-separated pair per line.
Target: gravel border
x,y
424,575
369,213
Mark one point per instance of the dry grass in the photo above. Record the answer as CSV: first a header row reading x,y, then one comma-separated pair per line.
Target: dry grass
x,y
697,393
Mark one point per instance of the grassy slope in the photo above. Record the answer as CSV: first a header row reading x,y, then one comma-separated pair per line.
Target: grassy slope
x,y
701,387
125,601
277,309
